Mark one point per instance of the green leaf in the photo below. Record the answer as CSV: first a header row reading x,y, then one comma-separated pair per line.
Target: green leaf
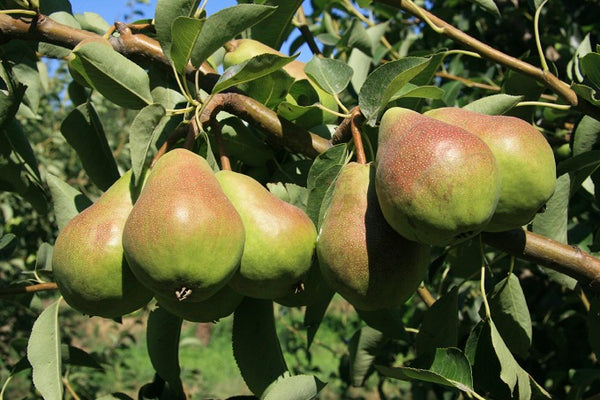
x,y
450,368
364,346
27,73
92,22
255,344
165,13
75,356
83,130
361,65
589,67
242,143
331,75
8,243
116,77
184,33
67,201
419,92
586,135
271,89
511,372
162,339
356,37
439,327
274,29
388,321
489,6
22,148
314,315
579,167
44,353
335,155
225,25
588,93
290,193
10,99
593,320
297,387
249,70
552,223
511,315
386,80
144,129
43,259
496,104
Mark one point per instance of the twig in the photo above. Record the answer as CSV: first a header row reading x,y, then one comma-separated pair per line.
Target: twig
x,y
306,33
425,295
215,127
39,287
356,118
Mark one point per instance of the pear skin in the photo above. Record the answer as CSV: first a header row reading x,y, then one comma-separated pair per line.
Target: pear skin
x,y
437,183
218,306
360,255
280,239
183,238
88,264
526,162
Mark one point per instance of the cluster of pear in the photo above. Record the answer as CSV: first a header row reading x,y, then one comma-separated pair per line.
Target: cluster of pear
x,y
195,240
438,179
199,241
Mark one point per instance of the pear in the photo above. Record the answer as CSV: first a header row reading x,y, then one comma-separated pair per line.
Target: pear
x,y
437,183
218,306
360,255
280,239
183,238
240,50
526,162
88,264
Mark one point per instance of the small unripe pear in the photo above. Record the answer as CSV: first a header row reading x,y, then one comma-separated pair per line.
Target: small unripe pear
x,y
360,255
280,239
88,264
437,183
525,159
183,238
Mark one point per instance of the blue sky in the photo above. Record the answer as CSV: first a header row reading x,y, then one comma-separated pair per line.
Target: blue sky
x,y
114,10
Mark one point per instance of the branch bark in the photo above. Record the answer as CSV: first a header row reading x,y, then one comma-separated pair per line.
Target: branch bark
x,y
12,291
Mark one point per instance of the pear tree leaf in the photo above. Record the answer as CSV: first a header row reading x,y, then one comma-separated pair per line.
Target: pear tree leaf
x,y
314,315
449,368
297,387
356,37
10,98
44,353
419,92
8,243
52,6
291,111
552,223
573,66
162,340
22,148
588,93
331,75
335,155
43,259
511,315
67,201
27,73
254,68
75,356
256,346
361,65
274,29
147,124
116,77
83,130
593,320
489,6
225,25
55,51
496,104
589,67
439,326
290,193
184,33
364,346
384,82
92,22
586,136
388,321
579,168
165,13
115,396
270,90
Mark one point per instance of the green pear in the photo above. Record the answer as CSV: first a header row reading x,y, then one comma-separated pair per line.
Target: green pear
x,y
183,238
240,50
360,255
437,183
218,306
280,239
88,264
526,162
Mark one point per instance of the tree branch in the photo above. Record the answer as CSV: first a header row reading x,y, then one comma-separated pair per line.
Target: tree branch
x,y
12,291
548,79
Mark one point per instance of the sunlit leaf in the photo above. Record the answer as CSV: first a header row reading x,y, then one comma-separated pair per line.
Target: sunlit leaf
x,y
297,387
274,29
331,75
184,33
165,13
142,133
67,201
496,104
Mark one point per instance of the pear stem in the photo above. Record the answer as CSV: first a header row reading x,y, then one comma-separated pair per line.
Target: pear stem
x,y
356,118
39,287
221,147
425,295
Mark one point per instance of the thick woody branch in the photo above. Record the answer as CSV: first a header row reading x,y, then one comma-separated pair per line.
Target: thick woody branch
x,y
277,129
548,79
560,257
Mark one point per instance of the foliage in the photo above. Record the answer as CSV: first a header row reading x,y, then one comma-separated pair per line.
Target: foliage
x,y
78,110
